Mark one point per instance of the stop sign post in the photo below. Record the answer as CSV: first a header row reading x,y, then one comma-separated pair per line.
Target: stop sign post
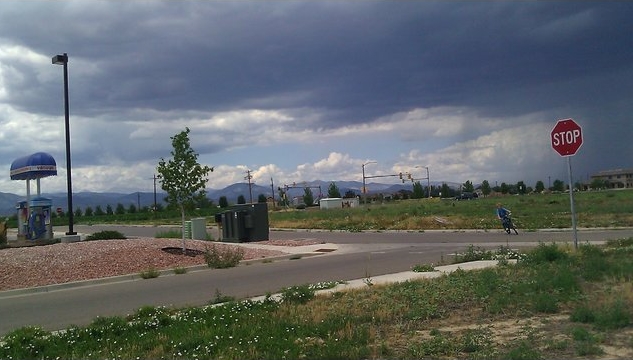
x,y
566,139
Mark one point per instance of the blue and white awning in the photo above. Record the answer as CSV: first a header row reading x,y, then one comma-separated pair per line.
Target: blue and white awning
x,y
35,166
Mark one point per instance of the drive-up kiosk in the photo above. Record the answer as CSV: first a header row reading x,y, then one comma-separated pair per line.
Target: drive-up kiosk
x,y
34,214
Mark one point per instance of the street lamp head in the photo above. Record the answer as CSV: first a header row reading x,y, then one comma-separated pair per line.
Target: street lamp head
x,y
60,59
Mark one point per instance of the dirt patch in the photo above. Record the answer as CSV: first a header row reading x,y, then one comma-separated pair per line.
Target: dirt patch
x,y
187,252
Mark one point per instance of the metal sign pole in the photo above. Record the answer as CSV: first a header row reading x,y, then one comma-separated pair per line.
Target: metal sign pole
x,y
571,201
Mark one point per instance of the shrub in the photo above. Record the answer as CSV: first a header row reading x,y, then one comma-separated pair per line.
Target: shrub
x,y
424,268
222,258
106,235
150,274
546,254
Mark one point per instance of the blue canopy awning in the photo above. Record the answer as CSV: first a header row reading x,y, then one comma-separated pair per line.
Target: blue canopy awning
x,y
34,166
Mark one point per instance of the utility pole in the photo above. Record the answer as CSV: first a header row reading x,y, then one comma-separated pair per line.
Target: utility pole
x,y
250,190
154,193
272,188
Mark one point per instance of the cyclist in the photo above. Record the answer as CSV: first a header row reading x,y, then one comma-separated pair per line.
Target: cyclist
x,y
503,214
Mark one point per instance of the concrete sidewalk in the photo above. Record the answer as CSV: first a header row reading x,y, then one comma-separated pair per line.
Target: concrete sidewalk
x,y
399,277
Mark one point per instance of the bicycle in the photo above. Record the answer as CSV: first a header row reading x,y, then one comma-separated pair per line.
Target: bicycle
x,y
508,225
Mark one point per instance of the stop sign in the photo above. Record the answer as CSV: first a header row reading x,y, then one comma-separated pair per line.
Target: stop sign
x,y
566,137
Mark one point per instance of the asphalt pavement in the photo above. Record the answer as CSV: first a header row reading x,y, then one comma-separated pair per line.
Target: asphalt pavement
x,y
354,259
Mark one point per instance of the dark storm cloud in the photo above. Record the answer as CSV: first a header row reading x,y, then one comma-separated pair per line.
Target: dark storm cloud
x,y
352,61
474,85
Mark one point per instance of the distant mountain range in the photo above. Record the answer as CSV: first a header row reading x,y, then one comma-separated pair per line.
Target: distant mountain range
x,y
319,188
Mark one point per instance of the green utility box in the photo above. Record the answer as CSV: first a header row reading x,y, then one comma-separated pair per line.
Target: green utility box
x,y
245,223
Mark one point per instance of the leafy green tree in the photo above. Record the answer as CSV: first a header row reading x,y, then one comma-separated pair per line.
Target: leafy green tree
x,y
308,198
418,190
99,211
504,188
131,209
78,212
333,191
349,194
598,183
262,199
521,188
182,177
485,188
88,211
468,186
109,210
446,191
223,202
558,185
241,199
539,187
120,209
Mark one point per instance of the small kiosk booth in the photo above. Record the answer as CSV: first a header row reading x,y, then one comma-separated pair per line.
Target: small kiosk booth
x,y
34,214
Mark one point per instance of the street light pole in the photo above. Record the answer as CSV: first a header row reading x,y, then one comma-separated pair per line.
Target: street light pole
x,y
63,60
364,187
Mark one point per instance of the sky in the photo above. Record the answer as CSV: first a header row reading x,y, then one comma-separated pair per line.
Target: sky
x,y
297,91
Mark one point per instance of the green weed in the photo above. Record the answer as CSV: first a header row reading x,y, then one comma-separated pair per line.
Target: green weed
x,y
149,274
218,257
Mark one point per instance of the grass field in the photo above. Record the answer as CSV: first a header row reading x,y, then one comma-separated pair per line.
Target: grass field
x,y
593,209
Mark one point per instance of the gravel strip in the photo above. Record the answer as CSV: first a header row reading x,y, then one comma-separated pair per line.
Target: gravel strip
x,y
66,262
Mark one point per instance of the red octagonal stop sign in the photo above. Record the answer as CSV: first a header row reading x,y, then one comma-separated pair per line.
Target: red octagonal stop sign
x,y
566,137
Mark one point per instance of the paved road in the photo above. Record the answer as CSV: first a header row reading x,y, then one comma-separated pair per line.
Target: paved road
x,y
359,255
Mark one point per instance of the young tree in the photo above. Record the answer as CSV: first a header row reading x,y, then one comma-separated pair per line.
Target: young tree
x,y
109,210
598,183
88,211
241,199
521,188
558,185
468,186
418,190
446,191
182,177
308,198
262,199
120,209
223,202
333,191
99,211
485,188
539,187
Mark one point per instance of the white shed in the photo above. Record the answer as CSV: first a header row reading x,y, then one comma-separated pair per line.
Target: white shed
x,y
338,203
